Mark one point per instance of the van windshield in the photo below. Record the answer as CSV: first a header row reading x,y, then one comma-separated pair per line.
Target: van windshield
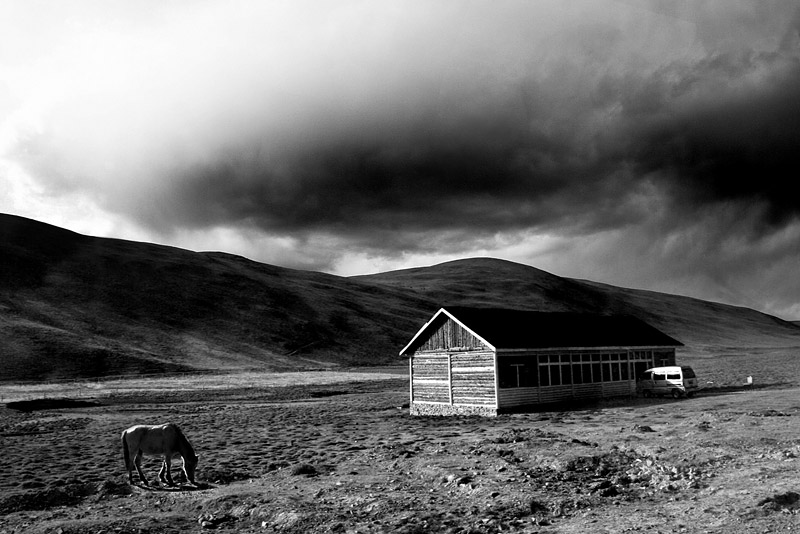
x,y
688,372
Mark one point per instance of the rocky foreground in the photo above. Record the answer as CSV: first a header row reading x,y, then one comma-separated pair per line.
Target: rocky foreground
x,y
349,458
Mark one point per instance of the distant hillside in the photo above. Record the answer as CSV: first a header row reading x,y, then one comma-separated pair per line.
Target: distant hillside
x,y
75,306
704,327
72,305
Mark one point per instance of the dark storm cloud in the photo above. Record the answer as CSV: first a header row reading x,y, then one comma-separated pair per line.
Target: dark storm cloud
x,y
729,141
493,123
661,131
702,137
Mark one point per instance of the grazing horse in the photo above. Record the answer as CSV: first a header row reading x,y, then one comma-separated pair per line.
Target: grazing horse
x,y
166,441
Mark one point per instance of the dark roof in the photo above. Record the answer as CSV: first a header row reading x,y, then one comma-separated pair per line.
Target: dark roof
x,y
517,329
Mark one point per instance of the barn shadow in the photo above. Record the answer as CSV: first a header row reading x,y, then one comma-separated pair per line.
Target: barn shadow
x,y
578,405
729,390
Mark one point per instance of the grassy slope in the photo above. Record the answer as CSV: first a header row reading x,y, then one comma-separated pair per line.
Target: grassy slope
x,y
72,305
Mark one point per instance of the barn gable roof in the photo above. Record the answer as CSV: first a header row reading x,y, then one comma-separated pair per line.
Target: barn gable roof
x,y
518,329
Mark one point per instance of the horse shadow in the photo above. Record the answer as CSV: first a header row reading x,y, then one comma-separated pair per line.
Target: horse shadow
x,y
178,487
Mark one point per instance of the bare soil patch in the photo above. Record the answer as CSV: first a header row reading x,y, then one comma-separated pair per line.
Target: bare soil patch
x,y
346,457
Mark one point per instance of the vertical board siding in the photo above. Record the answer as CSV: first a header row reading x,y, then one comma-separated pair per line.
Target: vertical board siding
x,y
450,336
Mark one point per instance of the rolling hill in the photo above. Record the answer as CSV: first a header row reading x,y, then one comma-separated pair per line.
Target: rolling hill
x,y
78,306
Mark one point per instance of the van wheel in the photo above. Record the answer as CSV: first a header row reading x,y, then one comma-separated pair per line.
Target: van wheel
x,y
676,394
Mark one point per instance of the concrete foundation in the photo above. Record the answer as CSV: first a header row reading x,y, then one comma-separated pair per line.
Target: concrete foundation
x,y
451,409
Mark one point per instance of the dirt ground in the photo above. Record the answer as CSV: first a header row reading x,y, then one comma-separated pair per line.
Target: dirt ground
x,y
347,458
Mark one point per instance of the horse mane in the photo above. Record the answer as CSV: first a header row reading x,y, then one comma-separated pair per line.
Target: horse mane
x,y
184,443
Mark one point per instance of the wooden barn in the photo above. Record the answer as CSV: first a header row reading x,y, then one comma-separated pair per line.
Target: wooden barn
x,y
488,360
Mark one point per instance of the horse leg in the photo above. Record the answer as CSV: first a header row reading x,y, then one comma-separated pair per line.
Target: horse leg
x,y
127,457
129,469
137,462
165,474
162,471
168,466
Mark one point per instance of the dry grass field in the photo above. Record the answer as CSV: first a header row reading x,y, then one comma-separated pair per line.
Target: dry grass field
x,y
338,452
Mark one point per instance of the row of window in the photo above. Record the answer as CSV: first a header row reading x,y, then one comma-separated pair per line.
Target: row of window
x,y
544,359
568,369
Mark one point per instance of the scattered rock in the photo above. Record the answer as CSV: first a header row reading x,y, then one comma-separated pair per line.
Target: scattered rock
x,y
536,507
610,491
285,520
768,413
212,521
304,469
599,485
781,501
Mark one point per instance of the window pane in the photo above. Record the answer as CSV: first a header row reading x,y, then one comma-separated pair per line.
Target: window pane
x,y
544,375
587,373
596,376
606,372
555,376
577,375
527,376
623,367
506,375
566,374
615,371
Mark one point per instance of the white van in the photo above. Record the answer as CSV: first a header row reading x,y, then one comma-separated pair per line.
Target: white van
x,y
674,380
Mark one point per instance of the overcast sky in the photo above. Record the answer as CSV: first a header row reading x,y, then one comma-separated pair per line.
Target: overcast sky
x,y
642,143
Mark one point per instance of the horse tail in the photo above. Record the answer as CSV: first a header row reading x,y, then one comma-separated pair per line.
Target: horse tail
x,y
125,453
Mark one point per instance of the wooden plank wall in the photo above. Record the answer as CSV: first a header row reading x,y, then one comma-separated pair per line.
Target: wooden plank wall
x,y
465,378
430,378
473,378
613,389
